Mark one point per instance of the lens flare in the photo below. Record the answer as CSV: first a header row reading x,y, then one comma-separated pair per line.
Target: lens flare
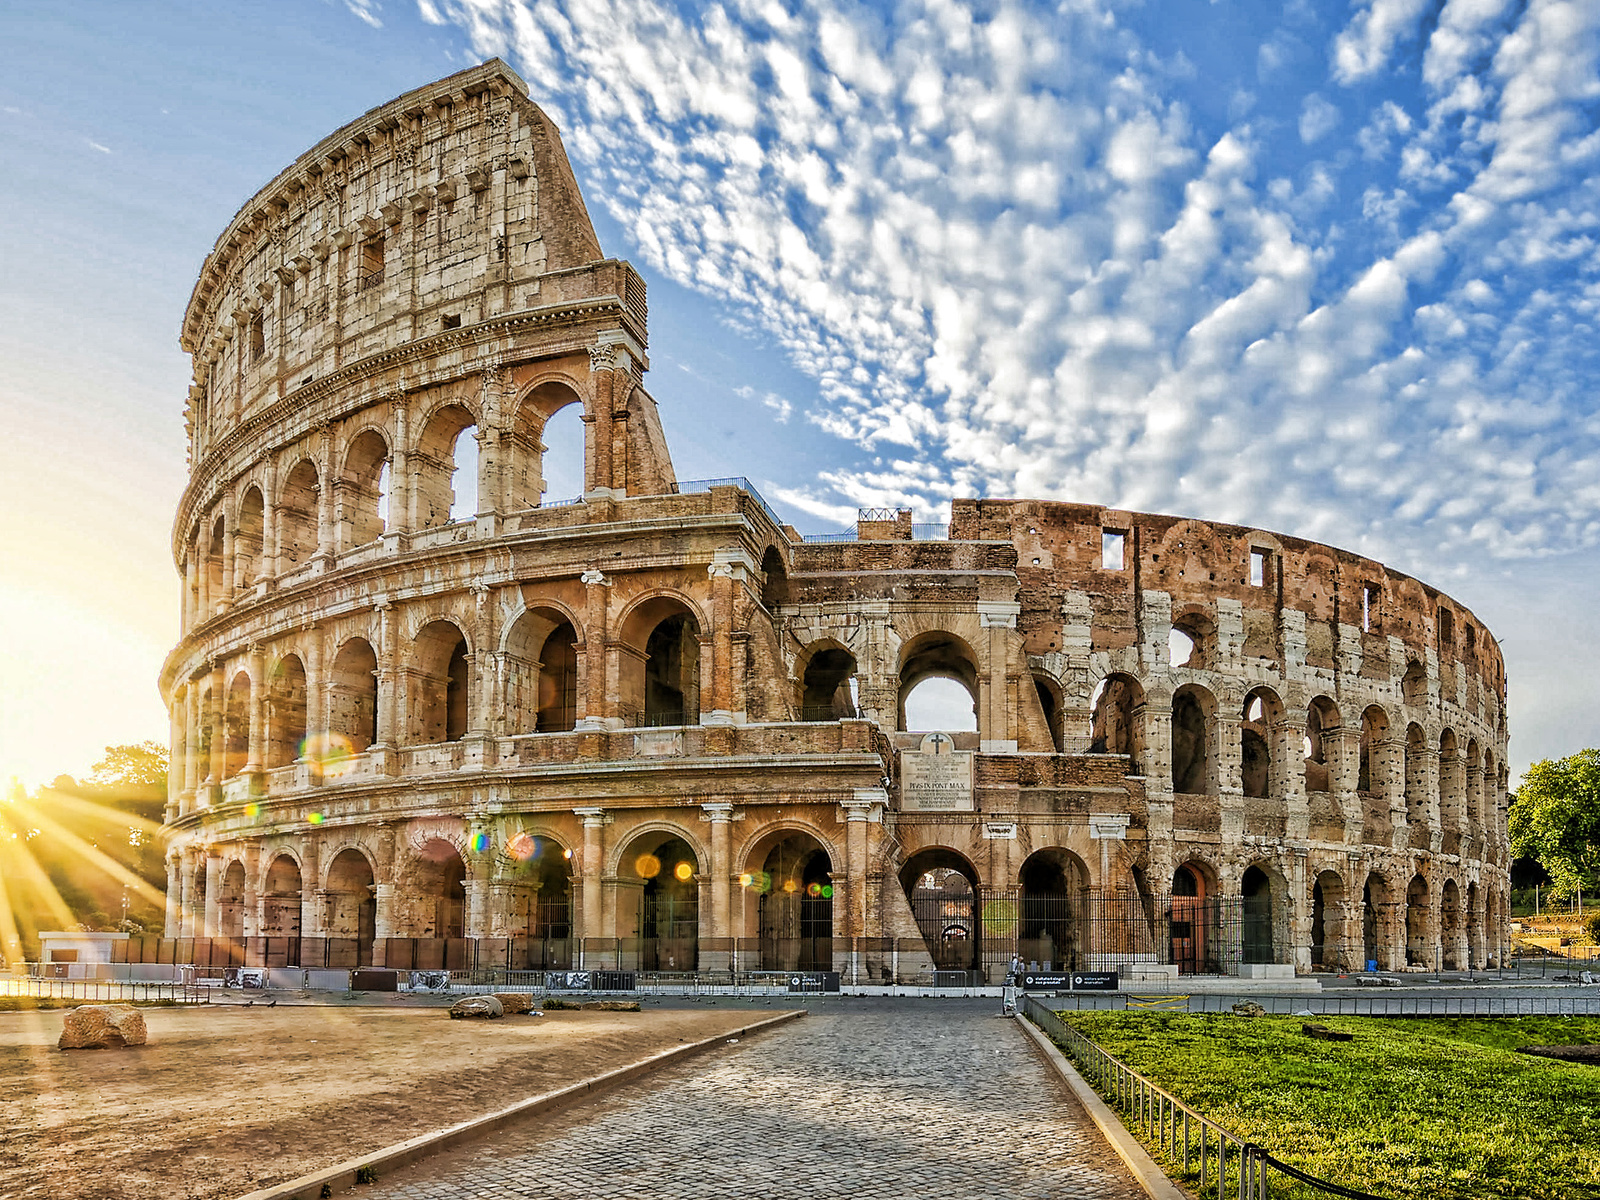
x,y
315,818
480,842
746,879
522,847
252,810
648,866
790,885
332,754
813,890
683,871
827,891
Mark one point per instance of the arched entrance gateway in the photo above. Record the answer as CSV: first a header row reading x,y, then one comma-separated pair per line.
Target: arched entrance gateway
x,y
664,931
942,889
1192,926
352,913
793,890
1051,911
540,916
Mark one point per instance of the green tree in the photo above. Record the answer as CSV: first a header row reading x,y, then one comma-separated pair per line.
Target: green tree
x,y
1555,818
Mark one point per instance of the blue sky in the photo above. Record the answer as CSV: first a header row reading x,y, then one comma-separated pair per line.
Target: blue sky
x,y
1326,268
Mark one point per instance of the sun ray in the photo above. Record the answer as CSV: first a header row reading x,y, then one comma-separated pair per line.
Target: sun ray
x,y
100,859
103,812
23,864
10,938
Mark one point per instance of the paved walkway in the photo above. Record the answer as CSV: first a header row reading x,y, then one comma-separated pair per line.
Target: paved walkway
x,y
934,1098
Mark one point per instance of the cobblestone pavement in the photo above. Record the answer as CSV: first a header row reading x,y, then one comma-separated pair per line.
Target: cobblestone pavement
x,y
932,1098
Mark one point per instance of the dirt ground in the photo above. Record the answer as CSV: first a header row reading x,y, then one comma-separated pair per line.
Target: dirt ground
x,y
224,1100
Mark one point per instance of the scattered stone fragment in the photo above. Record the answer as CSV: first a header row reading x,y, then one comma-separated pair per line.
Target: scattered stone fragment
x,y
613,1005
515,1002
477,1006
1323,1033
103,1027
1249,1008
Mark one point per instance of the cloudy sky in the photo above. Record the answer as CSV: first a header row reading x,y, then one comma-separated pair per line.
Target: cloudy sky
x,y
1326,268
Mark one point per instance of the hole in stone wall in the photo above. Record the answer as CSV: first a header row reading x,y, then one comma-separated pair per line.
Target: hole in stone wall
x,y
1112,546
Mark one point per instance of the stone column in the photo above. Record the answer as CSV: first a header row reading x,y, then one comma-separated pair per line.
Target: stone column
x,y
1288,777
999,617
230,565
1386,768
596,707
212,917
173,924
603,377
383,891
389,703
250,922
178,740
191,590
594,822
479,863
326,517
256,756
186,914
720,814
865,806
269,521
216,738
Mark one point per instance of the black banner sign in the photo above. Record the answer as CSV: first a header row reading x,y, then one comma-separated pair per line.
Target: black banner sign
x,y
1094,981
814,981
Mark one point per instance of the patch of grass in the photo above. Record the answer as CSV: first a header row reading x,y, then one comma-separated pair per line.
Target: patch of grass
x,y
1428,1107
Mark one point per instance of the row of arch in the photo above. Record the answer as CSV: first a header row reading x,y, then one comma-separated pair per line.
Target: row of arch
x,y
1328,758
372,486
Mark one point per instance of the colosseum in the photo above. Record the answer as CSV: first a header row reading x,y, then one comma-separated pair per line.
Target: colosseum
x,y
427,714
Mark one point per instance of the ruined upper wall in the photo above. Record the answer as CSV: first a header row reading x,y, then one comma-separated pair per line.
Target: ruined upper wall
x,y
1350,602
448,206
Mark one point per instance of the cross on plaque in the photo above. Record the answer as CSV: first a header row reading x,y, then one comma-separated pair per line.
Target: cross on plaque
x,y
940,741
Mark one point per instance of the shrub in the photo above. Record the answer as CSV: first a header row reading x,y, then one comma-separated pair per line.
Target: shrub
x,y
1591,926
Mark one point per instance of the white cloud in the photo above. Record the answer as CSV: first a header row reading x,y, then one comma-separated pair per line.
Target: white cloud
x,y
1013,265
368,11
94,145
1363,47
1318,119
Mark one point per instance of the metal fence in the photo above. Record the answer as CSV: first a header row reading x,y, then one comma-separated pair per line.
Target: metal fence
x,y
39,981
1200,1152
1399,1005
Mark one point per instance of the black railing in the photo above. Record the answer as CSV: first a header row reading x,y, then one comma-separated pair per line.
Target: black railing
x,y
1198,1148
738,481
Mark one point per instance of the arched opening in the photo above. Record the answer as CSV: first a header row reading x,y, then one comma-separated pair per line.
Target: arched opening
x,y
1256,942
440,710
1416,779
1052,910
286,711
363,491
197,903
542,900
794,905
216,565
1192,930
1327,922
1375,905
1414,684
352,903
1115,723
230,903
1322,728
280,902
661,685
1193,758
297,517
1419,951
1192,641
1452,785
464,475
942,888
545,455
353,698
1050,706
1450,926
1474,795
202,742
247,538
1374,728
668,920
236,727
1474,930
827,689
938,684
440,880
1261,711
445,468
774,580
541,673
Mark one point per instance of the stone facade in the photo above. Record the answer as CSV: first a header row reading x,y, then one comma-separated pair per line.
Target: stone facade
x,y
658,727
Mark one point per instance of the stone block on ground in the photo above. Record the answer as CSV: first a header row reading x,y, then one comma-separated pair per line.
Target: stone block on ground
x,y
613,1005
1249,1008
516,1002
477,1006
103,1027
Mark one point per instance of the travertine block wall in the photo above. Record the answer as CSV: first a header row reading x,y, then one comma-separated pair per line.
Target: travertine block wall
x,y
378,703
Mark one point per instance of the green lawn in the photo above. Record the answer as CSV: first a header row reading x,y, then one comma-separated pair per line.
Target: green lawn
x,y
1410,1108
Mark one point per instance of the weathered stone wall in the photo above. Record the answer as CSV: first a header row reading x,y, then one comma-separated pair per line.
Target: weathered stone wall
x,y
392,719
